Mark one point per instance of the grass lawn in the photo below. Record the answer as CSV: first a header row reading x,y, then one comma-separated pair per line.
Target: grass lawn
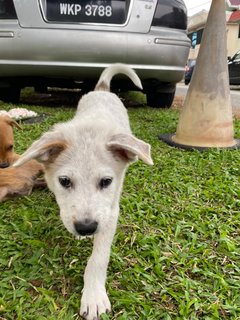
x,y
176,251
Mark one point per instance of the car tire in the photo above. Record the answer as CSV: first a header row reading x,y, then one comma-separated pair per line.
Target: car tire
x,y
10,94
160,99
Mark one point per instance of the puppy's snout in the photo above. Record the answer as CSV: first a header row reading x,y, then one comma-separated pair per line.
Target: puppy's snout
x,y
86,227
4,164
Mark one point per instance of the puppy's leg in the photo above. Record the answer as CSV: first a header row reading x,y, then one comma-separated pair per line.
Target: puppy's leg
x,y
94,299
3,193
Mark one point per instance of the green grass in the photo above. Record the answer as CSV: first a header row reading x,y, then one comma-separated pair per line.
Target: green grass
x,y
176,251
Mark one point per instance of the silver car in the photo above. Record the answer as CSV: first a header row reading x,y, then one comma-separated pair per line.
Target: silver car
x,y
67,43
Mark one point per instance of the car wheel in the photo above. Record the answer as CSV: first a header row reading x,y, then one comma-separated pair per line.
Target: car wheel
x,y
160,99
11,94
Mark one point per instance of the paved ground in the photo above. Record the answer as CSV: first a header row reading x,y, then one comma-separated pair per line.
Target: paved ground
x,y
235,96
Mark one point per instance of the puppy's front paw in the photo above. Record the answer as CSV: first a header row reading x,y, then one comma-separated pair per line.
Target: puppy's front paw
x,y
93,303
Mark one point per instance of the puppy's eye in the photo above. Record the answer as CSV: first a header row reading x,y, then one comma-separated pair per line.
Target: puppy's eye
x,y
65,182
105,182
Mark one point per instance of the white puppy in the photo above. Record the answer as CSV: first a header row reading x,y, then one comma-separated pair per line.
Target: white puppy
x,y
85,161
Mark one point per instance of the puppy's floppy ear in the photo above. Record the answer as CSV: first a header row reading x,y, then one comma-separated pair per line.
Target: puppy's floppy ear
x,y
12,122
45,150
128,148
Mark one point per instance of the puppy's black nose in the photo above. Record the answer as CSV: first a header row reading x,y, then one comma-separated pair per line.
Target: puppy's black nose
x,y
86,227
4,165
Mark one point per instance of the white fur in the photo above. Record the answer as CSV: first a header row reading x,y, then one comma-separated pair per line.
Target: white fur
x,y
97,143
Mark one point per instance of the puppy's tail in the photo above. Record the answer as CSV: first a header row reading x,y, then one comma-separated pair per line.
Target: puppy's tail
x,y
108,73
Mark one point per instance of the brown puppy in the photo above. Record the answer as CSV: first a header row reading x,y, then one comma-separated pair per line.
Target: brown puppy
x,y
20,181
15,181
7,155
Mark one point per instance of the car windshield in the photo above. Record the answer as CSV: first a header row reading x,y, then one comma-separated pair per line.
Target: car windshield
x,y
236,56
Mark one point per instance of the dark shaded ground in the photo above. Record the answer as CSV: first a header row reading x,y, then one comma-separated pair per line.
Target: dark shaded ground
x,y
52,99
70,98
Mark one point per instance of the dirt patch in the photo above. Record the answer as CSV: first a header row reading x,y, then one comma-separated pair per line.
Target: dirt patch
x,y
236,113
178,102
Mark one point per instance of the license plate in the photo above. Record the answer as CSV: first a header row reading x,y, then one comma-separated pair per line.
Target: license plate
x,y
86,11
